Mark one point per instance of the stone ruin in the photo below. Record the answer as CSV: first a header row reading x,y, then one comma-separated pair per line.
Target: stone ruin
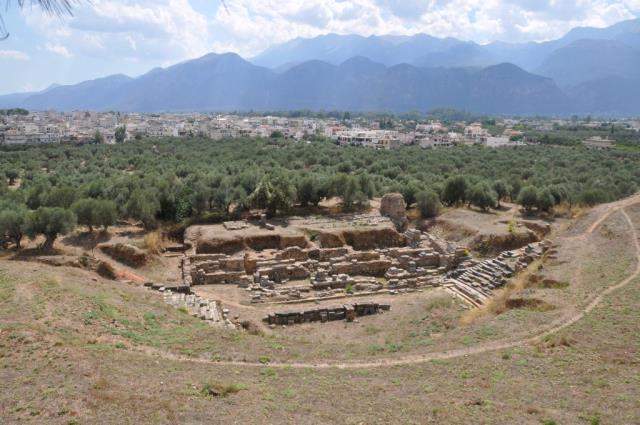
x,y
327,272
180,296
302,272
475,281
347,312
210,311
393,206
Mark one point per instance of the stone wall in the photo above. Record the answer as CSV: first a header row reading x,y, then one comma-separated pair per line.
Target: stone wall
x,y
346,312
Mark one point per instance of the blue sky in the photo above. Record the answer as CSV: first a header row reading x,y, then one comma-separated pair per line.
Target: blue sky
x,y
133,36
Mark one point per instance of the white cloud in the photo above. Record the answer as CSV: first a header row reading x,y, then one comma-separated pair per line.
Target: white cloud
x,y
129,29
14,55
253,25
167,31
58,49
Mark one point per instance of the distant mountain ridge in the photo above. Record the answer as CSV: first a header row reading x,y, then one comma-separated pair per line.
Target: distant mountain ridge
x,y
429,51
594,71
228,82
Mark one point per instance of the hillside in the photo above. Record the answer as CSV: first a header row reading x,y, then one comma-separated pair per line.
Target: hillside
x,y
77,348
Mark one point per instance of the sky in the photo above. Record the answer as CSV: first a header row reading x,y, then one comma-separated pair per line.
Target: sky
x,y
131,37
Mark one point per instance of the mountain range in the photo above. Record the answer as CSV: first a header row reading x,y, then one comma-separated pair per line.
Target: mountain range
x,y
589,70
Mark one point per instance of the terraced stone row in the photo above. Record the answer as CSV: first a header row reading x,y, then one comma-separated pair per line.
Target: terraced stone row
x,y
476,282
197,306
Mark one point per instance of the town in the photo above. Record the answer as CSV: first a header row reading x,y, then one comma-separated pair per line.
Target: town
x,y
18,127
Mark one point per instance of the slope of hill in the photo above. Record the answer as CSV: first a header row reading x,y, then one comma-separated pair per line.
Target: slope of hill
x,y
93,94
586,59
227,82
77,348
335,49
220,82
460,55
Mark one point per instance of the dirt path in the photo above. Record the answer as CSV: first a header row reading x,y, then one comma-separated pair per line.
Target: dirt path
x,y
554,328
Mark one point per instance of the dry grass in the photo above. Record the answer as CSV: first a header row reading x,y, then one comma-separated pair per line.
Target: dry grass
x,y
155,243
571,212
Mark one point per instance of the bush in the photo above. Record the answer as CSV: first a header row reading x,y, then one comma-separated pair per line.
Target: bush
x,y
221,390
154,243
428,203
593,197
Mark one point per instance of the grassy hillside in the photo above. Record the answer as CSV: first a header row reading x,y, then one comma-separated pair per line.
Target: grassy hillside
x,y
78,349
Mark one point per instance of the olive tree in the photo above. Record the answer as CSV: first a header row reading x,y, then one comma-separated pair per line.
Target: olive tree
x,y
428,203
528,197
455,190
95,212
12,175
49,222
142,205
12,223
482,196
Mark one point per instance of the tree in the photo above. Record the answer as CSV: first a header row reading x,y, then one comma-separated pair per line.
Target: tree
x,y
351,193
49,222
84,209
12,223
120,134
98,138
106,213
409,193
276,134
545,200
482,196
528,197
454,191
501,189
62,197
428,203
95,212
37,194
560,193
593,197
273,193
12,175
308,192
199,198
142,205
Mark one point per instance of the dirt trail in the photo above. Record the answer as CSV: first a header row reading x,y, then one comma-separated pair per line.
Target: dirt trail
x,y
554,328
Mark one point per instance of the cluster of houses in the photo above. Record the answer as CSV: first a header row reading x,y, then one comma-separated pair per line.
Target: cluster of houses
x,y
88,127
83,127
430,136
